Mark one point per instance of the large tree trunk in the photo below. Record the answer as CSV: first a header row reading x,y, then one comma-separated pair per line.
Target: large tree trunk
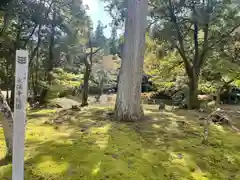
x,y
86,85
7,124
193,102
128,105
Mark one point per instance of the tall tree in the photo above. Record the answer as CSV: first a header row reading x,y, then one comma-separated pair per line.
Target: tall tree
x,y
113,40
51,43
88,63
41,27
96,42
192,28
189,26
128,104
99,38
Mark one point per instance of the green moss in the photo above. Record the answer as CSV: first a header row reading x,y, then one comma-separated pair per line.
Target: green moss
x,y
86,145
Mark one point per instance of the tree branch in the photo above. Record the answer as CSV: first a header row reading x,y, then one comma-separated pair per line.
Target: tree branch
x,y
205,47
87,54
94,52
226,83
30,35
151,23
206,33
186,62
204,52
37,47
225,35
179,38
94,81
33,55
176,65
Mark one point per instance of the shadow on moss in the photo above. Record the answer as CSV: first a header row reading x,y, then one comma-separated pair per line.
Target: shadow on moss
x,y
88,145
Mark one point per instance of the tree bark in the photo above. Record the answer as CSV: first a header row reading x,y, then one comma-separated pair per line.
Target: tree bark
x,y
7,124
218,98
12,96
7,80
128,104
193,102
101,84
86,85
37,51
88,70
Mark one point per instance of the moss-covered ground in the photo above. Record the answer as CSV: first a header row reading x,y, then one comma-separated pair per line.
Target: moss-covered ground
x,y
88,145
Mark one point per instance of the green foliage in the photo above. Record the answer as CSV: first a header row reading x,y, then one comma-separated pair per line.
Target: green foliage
x,y
66,79
163,67
55,33
182,44
105,72
207,87
53,92
192,29
99,38
178,28
63,84
117,10
113,42
222,68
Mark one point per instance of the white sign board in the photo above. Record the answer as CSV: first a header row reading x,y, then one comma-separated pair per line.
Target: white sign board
x,y
19,116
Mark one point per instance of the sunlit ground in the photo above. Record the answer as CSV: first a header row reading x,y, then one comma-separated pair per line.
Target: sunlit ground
x,y
88,145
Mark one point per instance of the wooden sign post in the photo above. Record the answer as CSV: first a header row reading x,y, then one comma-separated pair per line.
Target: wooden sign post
x,y
19,116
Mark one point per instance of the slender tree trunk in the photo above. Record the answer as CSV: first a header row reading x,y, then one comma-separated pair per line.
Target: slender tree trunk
x,y
51,48
37,50
32,100
218,99
7,96
193,102
7,81
86,84
101,84
128,104
88,70
17,42
35,87
7,124
12,95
